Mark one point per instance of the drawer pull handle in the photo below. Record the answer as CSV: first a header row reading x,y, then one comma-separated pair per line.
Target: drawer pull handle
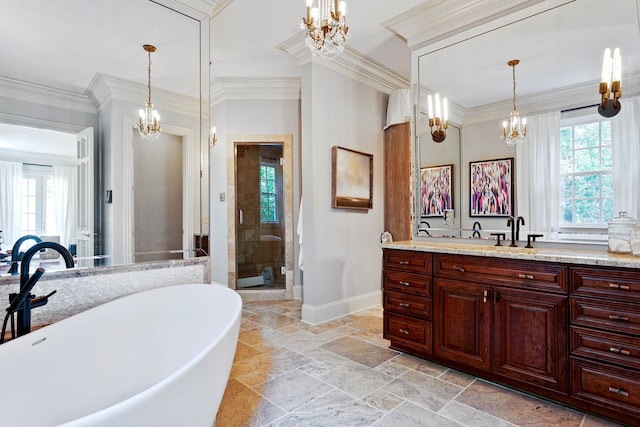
x,y
404,304
618,317
617,350
619,286
403,262
485,294
458,268
618,390
404,331
525,276
403,283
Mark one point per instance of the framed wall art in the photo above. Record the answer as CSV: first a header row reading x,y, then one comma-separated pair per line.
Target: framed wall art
x,y
436,190
491,187
351,179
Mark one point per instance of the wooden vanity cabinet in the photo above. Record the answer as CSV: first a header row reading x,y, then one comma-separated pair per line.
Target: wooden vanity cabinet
x,y
407,288
565,332
605,339
497,319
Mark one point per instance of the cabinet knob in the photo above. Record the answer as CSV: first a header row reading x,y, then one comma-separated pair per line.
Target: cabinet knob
x,y
619,286
404,331
618,350
618,390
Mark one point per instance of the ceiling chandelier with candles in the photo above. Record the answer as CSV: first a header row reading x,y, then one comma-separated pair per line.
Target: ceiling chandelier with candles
x,y
327,31
439,122
515,129
610,84
149,123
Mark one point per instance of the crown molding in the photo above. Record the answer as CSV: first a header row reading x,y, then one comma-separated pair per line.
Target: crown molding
x,y
219,7
44,95
349,63
435,20
226,88
570,97
104,88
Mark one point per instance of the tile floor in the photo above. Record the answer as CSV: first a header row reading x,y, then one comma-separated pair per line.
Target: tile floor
x,y
342,373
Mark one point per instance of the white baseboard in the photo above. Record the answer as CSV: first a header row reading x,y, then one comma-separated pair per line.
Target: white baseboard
x,y
314,315
297,291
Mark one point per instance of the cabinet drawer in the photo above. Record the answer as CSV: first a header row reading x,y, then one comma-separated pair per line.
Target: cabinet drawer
x,y
409,261
408,304
606,385
416,284
610,315
605,346
606,283
506,272
397,327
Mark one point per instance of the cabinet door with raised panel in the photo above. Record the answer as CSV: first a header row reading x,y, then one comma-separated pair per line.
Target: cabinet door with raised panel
x,y
530,337
462,322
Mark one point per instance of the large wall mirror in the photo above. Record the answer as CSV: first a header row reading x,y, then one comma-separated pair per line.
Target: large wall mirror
x,y
73,78
560,51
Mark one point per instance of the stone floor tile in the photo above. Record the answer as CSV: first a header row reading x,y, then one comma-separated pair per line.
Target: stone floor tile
x,y
408,414
292,389
242,406
469,416
423,390
360,351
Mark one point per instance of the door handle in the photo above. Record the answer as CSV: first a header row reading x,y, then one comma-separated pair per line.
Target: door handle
x,y
241,217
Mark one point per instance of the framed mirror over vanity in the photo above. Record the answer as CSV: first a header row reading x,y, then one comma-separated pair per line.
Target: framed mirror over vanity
x,y
566,195
72,81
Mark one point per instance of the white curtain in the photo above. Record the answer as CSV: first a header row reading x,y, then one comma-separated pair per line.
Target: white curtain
x,y
65,184
538,173
625,144
10,201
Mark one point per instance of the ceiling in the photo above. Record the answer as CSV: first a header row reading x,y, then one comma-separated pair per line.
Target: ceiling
x,y
63,44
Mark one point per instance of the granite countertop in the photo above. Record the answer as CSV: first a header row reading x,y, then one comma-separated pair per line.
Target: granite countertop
x,y
577,255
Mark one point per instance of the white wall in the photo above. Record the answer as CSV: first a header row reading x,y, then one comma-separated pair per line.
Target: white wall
x,y
342,255
248,117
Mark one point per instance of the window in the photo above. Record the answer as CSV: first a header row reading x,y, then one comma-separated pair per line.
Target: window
x,y
268,195
38,210
586,179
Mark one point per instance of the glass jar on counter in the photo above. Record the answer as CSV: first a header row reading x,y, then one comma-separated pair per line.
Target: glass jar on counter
x,y
635,241
619,230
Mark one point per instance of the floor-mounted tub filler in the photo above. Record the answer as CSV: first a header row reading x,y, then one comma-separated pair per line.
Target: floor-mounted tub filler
x,y
156,358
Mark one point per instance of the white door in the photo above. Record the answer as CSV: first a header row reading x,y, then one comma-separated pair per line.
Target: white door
x,y
85,233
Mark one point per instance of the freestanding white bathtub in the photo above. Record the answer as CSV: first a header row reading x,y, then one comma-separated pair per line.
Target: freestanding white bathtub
x,y
157,358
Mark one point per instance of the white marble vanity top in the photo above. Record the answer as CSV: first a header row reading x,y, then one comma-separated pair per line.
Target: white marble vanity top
x,y
577,255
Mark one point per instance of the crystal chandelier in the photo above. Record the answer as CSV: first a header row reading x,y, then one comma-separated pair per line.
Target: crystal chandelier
x,y
327,31
439,123
610,84
149,123
514,130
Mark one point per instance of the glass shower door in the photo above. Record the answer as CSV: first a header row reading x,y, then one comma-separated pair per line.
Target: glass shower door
x,y
260,222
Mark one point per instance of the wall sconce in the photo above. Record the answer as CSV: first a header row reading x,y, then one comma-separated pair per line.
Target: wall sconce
x,y
214,139
610,83
439,123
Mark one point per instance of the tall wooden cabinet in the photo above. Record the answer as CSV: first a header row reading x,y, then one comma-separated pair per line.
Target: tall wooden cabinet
x,y
565,332
397,181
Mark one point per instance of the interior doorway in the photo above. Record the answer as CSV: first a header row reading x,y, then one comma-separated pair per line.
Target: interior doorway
x,y
260,212
158,198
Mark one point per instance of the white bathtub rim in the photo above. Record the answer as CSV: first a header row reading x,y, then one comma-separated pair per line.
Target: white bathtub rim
x,y
160,385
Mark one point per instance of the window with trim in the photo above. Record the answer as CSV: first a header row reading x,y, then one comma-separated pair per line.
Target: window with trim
x,y
586,178
268,194
38,210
